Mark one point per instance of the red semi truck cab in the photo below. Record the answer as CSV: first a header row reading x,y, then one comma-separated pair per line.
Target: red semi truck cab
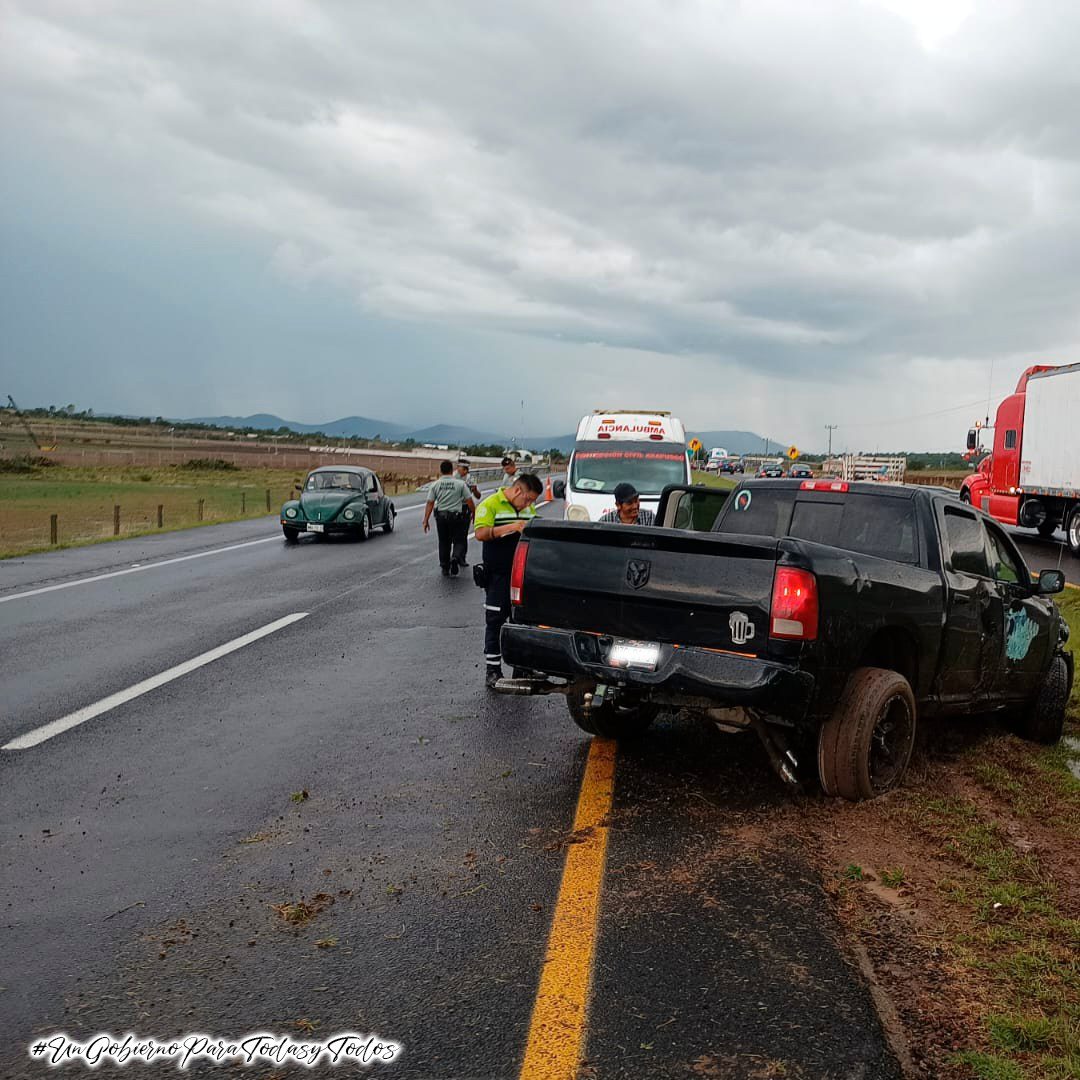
x,y
1032,478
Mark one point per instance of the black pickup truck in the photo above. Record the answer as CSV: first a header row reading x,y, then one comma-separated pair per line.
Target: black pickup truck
x,y
824,615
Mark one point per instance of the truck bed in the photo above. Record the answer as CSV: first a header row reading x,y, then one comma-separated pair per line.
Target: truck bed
x,y
663,585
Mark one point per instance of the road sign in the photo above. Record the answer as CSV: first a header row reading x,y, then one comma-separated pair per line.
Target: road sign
x,y
793,452
695,445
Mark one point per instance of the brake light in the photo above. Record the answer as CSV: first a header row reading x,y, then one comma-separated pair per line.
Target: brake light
x,y
656,436
603,434
823,485
794,609
517,573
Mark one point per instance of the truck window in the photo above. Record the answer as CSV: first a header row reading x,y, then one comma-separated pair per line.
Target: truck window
x,y
883,527
817,521
1003,562
869,524
755,512
1010,439
966,543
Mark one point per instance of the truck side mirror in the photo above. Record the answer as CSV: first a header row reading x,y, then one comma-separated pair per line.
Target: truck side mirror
x,y
1051,582
973,440
558,489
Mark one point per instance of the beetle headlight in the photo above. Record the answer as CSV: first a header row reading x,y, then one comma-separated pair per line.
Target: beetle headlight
x,y
291,512
577,513
350,514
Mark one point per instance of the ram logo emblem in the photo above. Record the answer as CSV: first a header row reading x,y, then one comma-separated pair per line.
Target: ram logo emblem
x,y
742,629
637,573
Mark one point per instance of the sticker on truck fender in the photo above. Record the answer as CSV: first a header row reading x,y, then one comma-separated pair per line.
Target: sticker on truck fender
x,y
1020,631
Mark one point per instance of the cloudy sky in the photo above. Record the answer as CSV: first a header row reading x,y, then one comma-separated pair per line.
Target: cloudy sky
x,y
764,214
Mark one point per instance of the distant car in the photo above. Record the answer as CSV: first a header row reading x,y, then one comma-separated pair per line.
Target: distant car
x,y
772,471
800,472
341,500
731,465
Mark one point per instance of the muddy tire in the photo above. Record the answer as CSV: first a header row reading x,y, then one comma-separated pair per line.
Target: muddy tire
x,y
1044,720
609,721
865,746
291,534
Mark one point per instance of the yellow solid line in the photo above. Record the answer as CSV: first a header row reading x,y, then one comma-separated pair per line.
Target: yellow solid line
x,y
557,1030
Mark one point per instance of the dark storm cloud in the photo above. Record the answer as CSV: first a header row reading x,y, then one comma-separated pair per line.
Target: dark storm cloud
x,y
770,188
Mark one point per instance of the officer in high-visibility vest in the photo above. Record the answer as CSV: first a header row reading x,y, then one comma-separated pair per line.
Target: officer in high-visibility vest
x,y
500,520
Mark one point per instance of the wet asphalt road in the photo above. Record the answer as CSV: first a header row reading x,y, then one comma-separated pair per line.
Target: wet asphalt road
x,y
1048,554
142,851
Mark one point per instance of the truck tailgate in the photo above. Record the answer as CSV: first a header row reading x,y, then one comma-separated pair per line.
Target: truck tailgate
x,y
705,589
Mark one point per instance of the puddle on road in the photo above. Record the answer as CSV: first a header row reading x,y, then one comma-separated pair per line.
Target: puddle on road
x,y
1072,743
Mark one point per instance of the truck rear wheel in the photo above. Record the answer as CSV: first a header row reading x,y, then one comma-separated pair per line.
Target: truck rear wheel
x,y
1072,531
865,746
1044,720
612,721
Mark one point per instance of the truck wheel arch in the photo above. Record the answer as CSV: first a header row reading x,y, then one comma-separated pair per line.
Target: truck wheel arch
x,y
1043,720
894,649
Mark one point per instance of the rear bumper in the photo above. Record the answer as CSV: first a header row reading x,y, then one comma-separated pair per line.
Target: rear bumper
x,y
685,676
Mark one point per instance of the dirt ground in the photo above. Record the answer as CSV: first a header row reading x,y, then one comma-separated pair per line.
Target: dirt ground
x,y
961,897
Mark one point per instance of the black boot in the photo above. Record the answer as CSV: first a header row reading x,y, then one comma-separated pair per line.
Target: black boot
x,y
493,675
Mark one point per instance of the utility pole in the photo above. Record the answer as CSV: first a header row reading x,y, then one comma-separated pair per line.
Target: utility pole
x,y
830,428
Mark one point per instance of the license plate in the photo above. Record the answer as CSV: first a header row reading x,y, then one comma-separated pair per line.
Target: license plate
x,y
316,528
639,654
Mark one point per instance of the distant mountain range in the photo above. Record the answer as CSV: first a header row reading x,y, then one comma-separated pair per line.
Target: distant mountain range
x,y
363,427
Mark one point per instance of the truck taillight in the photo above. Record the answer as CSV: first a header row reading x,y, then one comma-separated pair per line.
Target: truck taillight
x,y
794,609
517,573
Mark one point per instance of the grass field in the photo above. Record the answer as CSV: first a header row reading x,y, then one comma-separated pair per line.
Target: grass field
x,y
713,480
83,501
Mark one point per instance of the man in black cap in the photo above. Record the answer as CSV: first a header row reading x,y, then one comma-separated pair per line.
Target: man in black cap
x,y
627,509
509,475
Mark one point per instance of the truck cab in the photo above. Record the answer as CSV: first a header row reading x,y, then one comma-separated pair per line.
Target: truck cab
x,y
1032,478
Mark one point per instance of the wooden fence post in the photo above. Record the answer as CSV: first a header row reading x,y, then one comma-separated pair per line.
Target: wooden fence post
x,y
243,502
160,515
52,529
116,521
268,500
201,501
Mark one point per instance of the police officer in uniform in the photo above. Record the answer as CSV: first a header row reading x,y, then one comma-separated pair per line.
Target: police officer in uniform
x,y
470,483
452,502
509,471
500,520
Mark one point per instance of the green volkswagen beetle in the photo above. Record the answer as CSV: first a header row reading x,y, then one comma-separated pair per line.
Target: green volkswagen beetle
x,y
342,500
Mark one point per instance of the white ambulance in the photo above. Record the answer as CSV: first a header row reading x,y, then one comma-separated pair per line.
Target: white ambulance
x,y
646,449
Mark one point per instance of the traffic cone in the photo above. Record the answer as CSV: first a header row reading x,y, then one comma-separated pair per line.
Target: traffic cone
x,y
547,491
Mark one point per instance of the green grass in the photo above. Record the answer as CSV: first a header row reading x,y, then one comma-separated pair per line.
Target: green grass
x,y
1013,935
725,483
1069,605
83,501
